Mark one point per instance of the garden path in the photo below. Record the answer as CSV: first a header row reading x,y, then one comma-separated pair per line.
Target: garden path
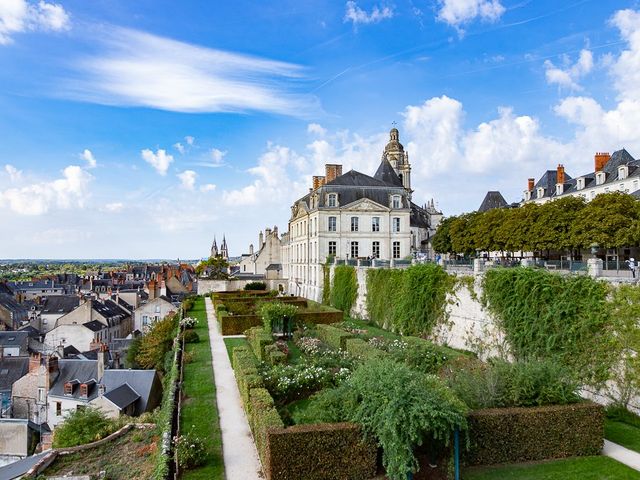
x,y
241,459
622,454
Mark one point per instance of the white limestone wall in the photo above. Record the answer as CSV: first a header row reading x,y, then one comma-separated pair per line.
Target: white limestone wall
x,y
208,286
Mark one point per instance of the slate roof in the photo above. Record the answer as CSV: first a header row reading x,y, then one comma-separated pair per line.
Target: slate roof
x,y
11,304
94,325
14,339
493,199
356,179
61,304
418,217
11,370
5,288
141,381
274,266
387,174
81,370
122,396
17,469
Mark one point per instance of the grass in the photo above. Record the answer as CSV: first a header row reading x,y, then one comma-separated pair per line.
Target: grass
x,y
130,456
581,468
232,343
622,433
295,354
199,410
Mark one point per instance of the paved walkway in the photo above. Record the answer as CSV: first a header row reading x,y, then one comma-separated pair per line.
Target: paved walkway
x,y
241,459
622,454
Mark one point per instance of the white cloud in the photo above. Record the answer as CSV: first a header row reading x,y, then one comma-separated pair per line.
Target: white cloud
x,y
88,157
17,16
357,15
459,12
14,174
70,191
114,207
159,160
140,69
568,77
189,139
207,187
179,147
188,179
217,156
316,129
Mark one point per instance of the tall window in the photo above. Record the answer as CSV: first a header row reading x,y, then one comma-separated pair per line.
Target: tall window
x,y
354,224
375,249
333,200
396,249
395,201
396,224
332,224
375,224
354,250
333,249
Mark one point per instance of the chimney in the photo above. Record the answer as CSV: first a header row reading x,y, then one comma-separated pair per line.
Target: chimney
x,y
532,182
260,240
152,289
318,181
102,357
600,160
52,364
251,249
34,363
60,350
332,171
560,174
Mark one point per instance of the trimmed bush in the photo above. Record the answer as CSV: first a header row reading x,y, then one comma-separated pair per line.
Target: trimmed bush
x,y
274,355
356,347
320,318
514,435
322,452
334,337
261,286
190,336
237,324
245,366
262,416
258,339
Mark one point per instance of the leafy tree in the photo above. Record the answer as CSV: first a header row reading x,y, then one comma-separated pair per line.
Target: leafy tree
x,y
402,408
441,241
275,314
215,268
82,426
552,230
485,229
157,342
462,239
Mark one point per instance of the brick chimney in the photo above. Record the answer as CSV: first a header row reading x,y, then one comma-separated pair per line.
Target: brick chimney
x,y
102,360
318,181
152,289
600,160
560,174
332,171
34,363
531,184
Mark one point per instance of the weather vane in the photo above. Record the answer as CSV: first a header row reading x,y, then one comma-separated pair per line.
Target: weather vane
x,y
394,123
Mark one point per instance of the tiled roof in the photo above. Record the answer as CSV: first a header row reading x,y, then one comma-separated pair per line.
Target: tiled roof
x,y
492,199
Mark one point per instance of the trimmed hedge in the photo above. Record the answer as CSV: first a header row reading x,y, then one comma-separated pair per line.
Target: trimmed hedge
x,y
358,348
245,366
334,337
320,452
514,435
274,355
237,324
262,415
320,318
258,339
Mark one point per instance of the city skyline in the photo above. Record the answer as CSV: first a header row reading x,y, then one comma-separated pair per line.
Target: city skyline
x,y
141,131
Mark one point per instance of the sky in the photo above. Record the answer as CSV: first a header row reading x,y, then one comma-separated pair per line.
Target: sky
x,y
144,129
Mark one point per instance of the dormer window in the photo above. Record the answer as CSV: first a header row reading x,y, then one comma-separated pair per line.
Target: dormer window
x,y
540,192
623,172
333,200
68,388
600,178
559,189
395,201
84,390
579,183
527,195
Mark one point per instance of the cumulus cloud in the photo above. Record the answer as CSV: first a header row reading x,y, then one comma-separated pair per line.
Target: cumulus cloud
x,y
179,147
18,16
70,191
357,15
189,139
207,187
139,69
316,129
88,157
459,12
160,160
569,75
114,207
14,174
188,179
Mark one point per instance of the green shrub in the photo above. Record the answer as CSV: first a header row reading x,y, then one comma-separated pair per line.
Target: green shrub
x,y
187,304
322,452
363,350
517,384
344,289
287,383
258,339
245,366
619,413
515,435
333,336
275,315
562,318
382,290
418,354
190,336
83,426
157,342
262,416
191,450
402,408
240,308
274,355
237,324
331,405
255,286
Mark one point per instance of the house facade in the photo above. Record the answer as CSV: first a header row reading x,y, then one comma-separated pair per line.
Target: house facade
x,y
152,311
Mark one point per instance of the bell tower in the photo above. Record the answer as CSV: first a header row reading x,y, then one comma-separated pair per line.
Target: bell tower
x,y
399,159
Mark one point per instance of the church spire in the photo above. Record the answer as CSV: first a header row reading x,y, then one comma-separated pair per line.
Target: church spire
x,y
214,247
399,159
224,249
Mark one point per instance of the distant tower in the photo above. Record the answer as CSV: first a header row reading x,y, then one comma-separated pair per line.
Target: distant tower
x,y
398,158
224,249
214,248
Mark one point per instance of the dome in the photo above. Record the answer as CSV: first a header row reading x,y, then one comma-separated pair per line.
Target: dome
x,y
394,144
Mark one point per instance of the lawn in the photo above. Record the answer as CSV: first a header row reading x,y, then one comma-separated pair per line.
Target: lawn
x,y
622,434
232,343
199,409
582,468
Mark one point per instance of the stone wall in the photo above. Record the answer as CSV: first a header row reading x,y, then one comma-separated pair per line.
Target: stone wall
x,y
208,286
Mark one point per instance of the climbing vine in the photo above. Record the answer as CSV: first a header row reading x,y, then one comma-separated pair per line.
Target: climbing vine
x,y
549,316
411,301
326,284
344,289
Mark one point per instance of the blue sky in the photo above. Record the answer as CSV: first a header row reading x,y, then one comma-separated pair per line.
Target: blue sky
x,y
142,129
